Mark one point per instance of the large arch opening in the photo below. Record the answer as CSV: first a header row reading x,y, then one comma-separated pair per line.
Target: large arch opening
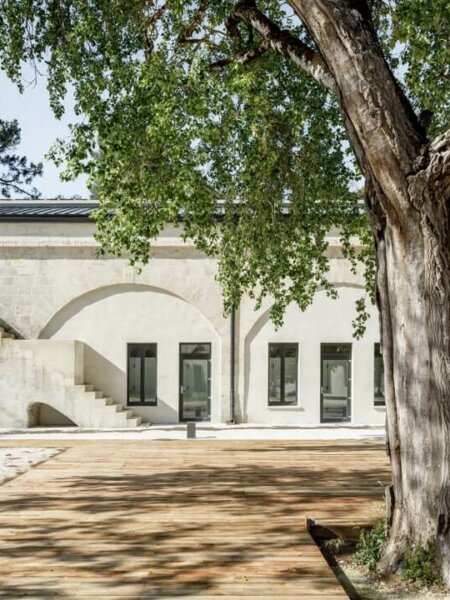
x,y
80,303
44,415
115,322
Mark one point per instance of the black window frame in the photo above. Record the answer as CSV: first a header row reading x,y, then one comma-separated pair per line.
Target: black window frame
x,y
283,346
142,346
194,355
336,350
377,354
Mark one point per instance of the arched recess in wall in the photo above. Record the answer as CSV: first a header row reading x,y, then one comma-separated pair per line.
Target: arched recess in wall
x,y
95,295
40,414
259,323
113,321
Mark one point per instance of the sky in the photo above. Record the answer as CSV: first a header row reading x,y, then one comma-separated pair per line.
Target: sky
x,y
40,129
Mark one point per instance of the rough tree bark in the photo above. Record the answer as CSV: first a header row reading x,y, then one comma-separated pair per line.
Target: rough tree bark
x,y
408,198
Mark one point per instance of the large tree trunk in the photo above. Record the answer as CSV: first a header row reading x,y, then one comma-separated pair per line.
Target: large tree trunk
x,y
413,286
409,205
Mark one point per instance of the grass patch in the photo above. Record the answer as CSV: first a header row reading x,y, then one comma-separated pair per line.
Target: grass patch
x,y
335,545
420,566
370,546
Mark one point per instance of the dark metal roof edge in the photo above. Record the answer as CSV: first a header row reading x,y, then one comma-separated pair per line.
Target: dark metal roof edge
x,y
42,211
73,212
45,219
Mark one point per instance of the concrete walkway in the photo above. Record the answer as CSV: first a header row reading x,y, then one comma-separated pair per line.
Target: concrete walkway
x,y
192,519
205,432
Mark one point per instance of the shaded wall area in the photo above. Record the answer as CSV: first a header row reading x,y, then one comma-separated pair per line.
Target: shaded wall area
x,y
41,414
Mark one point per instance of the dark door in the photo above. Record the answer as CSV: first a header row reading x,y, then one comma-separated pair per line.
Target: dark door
x,y
195,382
335,390
141,374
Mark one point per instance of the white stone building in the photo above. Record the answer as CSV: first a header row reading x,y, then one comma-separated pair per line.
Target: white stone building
x,y
89,340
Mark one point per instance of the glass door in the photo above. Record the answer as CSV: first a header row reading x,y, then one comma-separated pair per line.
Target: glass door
x,y
195,382
335,390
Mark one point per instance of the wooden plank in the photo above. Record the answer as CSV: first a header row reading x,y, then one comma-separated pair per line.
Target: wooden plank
x,y
201,519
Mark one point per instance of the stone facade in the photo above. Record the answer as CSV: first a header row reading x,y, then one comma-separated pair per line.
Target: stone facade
x,y
54,288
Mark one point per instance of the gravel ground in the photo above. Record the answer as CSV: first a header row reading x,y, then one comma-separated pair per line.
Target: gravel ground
x,y
14,461
370,589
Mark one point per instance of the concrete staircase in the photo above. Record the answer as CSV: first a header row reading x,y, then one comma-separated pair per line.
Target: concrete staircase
x,y
109,412
49,372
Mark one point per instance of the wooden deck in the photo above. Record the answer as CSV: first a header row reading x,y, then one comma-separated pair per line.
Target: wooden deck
x,y
192,519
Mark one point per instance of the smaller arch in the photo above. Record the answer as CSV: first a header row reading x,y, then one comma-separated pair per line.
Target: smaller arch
x,y
40,414
259,323
265,316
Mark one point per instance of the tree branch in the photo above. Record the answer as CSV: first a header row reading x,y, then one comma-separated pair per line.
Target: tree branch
x,y
285,43
150,23
4,183
234,33
242,57
186,35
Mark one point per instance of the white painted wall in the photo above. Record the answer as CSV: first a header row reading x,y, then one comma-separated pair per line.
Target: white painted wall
x,y
52,286
325,321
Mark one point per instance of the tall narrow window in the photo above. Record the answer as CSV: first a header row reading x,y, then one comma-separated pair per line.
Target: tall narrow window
x,y
195,382
336,385
378,377
283,368
142,374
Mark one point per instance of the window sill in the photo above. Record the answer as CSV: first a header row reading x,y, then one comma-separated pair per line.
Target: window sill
x,y
281,407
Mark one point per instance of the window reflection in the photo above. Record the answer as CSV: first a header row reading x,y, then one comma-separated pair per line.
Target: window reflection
x,y
335,382
283,369
142,374
378,377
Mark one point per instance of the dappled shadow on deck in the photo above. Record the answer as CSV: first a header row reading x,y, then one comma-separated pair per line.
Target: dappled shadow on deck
x,y
182,519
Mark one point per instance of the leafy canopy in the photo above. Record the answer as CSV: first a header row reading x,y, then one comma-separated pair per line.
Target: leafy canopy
x,y
16,173
182,107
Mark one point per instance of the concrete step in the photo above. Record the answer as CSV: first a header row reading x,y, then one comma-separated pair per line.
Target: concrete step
x,y
100,402
88,396
84,387
134,421
112,409
107,416
119,407
107,412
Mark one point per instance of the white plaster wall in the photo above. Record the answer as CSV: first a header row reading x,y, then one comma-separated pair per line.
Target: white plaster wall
x,y
47,268
326,320
37,371
53,286
107,323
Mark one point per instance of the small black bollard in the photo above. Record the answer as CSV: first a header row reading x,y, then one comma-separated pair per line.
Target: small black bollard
x,y
191,430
